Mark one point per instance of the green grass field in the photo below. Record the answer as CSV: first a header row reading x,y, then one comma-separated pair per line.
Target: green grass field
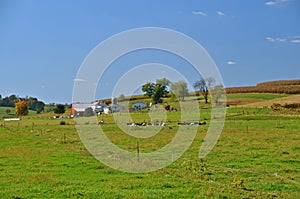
x,y
12,112
260,96
257,156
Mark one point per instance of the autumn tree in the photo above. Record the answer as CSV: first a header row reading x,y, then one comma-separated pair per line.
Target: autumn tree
x,y
179,89
21,108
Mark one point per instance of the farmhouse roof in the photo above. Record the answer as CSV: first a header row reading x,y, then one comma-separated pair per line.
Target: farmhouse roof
x,y
81,107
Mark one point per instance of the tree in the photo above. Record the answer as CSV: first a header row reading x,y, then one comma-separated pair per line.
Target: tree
x,y
204,85
179,89
13,97
7,111
31,101
164,82
9,101
21,108
218,92
159,92
39,107
88,112
156,91
148,89
59,109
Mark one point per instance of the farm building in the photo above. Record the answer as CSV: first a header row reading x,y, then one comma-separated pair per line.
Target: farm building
x,y
98,107
113,108
138,106
78,109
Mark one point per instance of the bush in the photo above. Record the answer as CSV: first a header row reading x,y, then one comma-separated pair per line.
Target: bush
x,y
292,106
276,107
59,109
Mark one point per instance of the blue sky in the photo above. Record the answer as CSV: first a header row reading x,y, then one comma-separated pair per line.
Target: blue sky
x,y
43,43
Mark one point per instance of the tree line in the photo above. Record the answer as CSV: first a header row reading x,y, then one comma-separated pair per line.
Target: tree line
x,y
32,102
163,87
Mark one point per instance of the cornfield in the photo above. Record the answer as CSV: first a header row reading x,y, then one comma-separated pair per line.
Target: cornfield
x,y
282,86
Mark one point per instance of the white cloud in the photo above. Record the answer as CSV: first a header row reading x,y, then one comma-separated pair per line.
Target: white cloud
x,y
270,3
296,41
281,39
278,39
270,39
78,80
199,13
220,13
277,2
231,62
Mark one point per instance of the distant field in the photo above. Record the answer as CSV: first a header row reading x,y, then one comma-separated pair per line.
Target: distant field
x,y
258,96
257,156
284,100
250,98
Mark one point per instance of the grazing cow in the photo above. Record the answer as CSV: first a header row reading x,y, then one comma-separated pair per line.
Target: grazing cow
x,y
101,122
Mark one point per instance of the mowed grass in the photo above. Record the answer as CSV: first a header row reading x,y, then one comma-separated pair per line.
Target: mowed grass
x,y
257,156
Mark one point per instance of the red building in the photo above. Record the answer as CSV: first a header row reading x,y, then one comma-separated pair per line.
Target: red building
x,y
78,109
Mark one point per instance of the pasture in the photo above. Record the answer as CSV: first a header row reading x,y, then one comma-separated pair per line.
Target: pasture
x,y
257,156
3,113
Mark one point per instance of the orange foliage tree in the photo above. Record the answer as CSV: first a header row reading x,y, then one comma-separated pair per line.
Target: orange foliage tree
x,y
21,108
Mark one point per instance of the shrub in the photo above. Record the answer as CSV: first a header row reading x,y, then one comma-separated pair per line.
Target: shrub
x,y
276,107
292,106
59,109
